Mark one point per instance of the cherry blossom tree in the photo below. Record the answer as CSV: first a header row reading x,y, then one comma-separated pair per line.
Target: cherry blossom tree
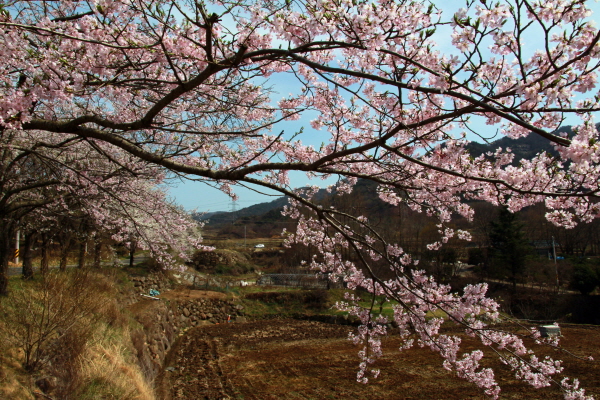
x,y
27,182
47,182
394,89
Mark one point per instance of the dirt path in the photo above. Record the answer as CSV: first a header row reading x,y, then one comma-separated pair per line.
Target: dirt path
x,y
289,359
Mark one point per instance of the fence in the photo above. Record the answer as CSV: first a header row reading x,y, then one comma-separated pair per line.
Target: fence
x,y
306,281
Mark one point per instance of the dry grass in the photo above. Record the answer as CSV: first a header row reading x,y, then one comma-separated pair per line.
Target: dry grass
x,y
68,326
12,379
108,371
43,317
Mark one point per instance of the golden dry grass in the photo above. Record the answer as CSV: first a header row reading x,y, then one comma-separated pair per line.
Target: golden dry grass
x,y
108,371
90,352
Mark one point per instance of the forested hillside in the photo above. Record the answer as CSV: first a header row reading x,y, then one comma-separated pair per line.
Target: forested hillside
x,y
412,228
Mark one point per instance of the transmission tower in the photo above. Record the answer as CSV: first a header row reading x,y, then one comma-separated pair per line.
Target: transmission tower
x,y
233,210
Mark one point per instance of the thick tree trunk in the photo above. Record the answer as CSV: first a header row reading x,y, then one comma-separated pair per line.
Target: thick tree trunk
x,y
44,256
81,258
4,257
97,253
6,253
64,252
131,254
28,256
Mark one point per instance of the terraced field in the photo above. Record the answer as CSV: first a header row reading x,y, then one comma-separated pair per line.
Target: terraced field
x,y
291,359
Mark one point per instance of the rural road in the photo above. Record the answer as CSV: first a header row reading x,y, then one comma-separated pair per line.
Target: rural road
x,y
14,271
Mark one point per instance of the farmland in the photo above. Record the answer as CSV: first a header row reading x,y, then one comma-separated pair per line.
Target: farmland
x,y
292,359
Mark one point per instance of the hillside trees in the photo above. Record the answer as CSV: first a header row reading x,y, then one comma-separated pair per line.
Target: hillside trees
x,y
182,85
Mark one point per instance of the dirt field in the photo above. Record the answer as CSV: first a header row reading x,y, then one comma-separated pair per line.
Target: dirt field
x,y
187,294
289,359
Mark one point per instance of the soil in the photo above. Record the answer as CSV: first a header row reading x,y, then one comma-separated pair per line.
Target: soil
x,y
187,294
292,359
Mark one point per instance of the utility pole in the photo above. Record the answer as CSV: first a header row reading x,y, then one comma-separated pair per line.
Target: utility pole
x,y
17,246
555,264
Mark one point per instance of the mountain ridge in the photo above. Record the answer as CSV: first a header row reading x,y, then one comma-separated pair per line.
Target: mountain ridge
x,y
523,148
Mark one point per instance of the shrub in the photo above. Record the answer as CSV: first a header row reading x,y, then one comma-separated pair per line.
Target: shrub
x,y
585,278
316,299
43,315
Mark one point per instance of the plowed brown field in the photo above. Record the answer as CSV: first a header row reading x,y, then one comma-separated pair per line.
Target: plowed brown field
x,y
291,359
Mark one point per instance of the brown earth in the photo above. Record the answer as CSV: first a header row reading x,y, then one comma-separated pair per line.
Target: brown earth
x,y
187,294
291,359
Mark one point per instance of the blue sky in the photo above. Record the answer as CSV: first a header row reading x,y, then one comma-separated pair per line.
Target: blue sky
x,y
203,198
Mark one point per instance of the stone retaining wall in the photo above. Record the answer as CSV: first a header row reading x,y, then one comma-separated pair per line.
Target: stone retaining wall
x,y
163,321
143,284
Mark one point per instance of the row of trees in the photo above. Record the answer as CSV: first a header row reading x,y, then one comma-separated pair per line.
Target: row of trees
x,y
69,192
183,85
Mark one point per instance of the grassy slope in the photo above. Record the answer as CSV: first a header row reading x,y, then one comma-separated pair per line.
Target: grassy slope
x,y
78,333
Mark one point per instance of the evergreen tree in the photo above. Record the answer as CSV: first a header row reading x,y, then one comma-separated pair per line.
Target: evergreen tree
x,y
585,277
509,246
